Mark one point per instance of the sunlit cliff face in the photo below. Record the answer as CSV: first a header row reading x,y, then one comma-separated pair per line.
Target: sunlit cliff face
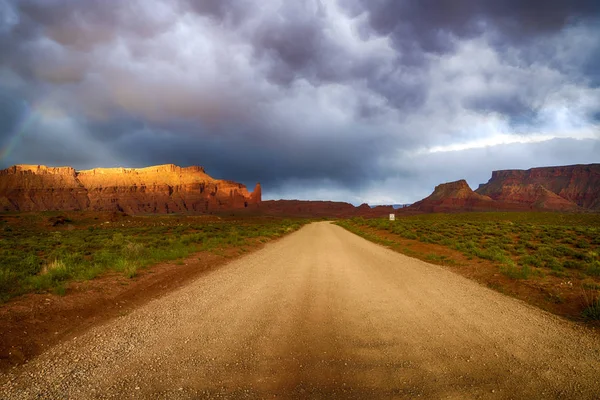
x,y
349,100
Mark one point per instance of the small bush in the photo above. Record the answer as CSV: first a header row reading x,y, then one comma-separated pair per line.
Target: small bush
x,y
8,280
515,272
582,244
532,260
434,257
134,250
594,268
31,265
56,270
554,265
60,289
591,286
531,246
574,264
592,309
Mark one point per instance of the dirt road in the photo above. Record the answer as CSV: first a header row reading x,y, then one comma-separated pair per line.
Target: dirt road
x,y
322,313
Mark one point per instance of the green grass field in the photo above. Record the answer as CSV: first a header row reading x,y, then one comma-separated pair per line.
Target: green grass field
x,y
36,258
523,245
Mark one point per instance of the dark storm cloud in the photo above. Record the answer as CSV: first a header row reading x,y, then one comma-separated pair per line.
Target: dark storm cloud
x,y
249,161
336,95
295,47
11,114
432,24
226,11
515,106
591,66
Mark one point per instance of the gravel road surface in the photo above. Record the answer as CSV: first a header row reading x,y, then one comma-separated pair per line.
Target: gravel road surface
x,y
322,313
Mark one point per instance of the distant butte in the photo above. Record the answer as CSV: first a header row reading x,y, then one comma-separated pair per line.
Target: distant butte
x,y
567,188
454,196
549,187
157,189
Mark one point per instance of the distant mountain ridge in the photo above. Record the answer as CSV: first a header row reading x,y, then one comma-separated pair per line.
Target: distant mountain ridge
x,y
577,185
567,188
169,188
453,196
157,189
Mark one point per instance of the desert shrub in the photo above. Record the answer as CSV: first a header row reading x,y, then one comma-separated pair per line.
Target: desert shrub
x,y
433,257
531,246
568,240
574,264
579,255
592,305
31,265
562,251
591,286
58,270
554,264
582,244
547,240
532,260
447,242
515,272
410,235
525,237
8,280
118,239
128,267
594,268
592,311
493,253
91,272
59,289
519,250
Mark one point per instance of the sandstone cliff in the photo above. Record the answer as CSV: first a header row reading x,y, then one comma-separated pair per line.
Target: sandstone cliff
x,y
454,196
556,188
158,189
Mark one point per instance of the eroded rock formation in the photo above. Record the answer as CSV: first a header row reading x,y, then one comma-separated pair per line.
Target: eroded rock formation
x,y
158,189
555,188
568,188
454,196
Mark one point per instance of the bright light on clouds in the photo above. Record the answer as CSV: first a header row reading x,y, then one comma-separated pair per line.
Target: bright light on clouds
x,y
504,139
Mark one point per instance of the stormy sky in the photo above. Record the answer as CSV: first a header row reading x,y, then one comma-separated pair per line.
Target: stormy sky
x,y
354,100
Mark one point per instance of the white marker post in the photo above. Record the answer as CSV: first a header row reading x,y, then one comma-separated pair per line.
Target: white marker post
x,y
392,217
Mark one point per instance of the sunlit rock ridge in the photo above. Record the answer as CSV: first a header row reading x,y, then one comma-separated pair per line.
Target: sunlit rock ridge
x,y
157,189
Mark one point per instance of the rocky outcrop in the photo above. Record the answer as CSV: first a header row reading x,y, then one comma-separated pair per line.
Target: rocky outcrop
x,y
535,196
569,188
37,187
454,196
256,196
553,188
159,189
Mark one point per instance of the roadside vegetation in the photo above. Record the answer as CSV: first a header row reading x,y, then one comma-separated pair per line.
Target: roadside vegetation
x,y
44,251
522,246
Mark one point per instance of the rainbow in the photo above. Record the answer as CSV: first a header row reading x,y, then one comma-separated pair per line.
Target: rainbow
x,y
28,119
